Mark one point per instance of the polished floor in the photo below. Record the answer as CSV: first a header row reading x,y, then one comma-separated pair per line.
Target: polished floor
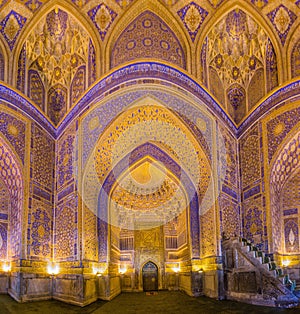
x,y
135,303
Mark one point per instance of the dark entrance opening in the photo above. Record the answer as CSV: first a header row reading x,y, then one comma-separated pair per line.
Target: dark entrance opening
x,y
150,277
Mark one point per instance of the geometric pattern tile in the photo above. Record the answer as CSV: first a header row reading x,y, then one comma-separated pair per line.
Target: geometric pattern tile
x,y
215,3
33,5
260,3
124,3
192,16
102,16
81,3
2,3
282,19
11,26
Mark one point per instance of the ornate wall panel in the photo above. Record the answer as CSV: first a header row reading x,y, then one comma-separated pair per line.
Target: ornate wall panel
x,y
66,157
256,89
208,246
40,229
11,176
271,67
147,36
90,235
291,235
36,90
66,229
3,240
253,216
230,216
250,158
42,158
21,70
57,103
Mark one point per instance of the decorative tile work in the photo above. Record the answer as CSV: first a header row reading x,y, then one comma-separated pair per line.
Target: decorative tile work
x,y
124,3
3,241
4,201
271,67
81,3
227,156
282,19
253,218
147,149
92,63
41,232
291,235
192,16
297,3
250,158
65,158
21,70
163,76
90,235
66,230
260,3
11,26
59,61
279,127
78,85
57,103
295,60
14,131
233,64
42,158
2,3
207,233
33,5
230,217
215,3
36,90
147,37
12,178
102,16
103,114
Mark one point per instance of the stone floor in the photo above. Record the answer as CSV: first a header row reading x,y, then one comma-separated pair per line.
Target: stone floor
x,y
162,302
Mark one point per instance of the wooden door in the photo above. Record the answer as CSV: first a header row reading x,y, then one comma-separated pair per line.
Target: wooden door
x,y
150,277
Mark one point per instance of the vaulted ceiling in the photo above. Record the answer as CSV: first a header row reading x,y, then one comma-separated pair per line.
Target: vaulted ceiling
x,y
240,51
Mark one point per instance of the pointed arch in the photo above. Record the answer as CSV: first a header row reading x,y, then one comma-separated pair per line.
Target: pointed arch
x,y
157,153
161,13
283,164
57,56
224,9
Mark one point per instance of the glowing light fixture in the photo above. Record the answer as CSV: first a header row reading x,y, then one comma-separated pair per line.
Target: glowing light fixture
x,y
52,269
122,270
6,266
200,271
286,263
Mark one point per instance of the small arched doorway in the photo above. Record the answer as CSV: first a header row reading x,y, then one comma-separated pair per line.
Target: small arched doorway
x,y
150,277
